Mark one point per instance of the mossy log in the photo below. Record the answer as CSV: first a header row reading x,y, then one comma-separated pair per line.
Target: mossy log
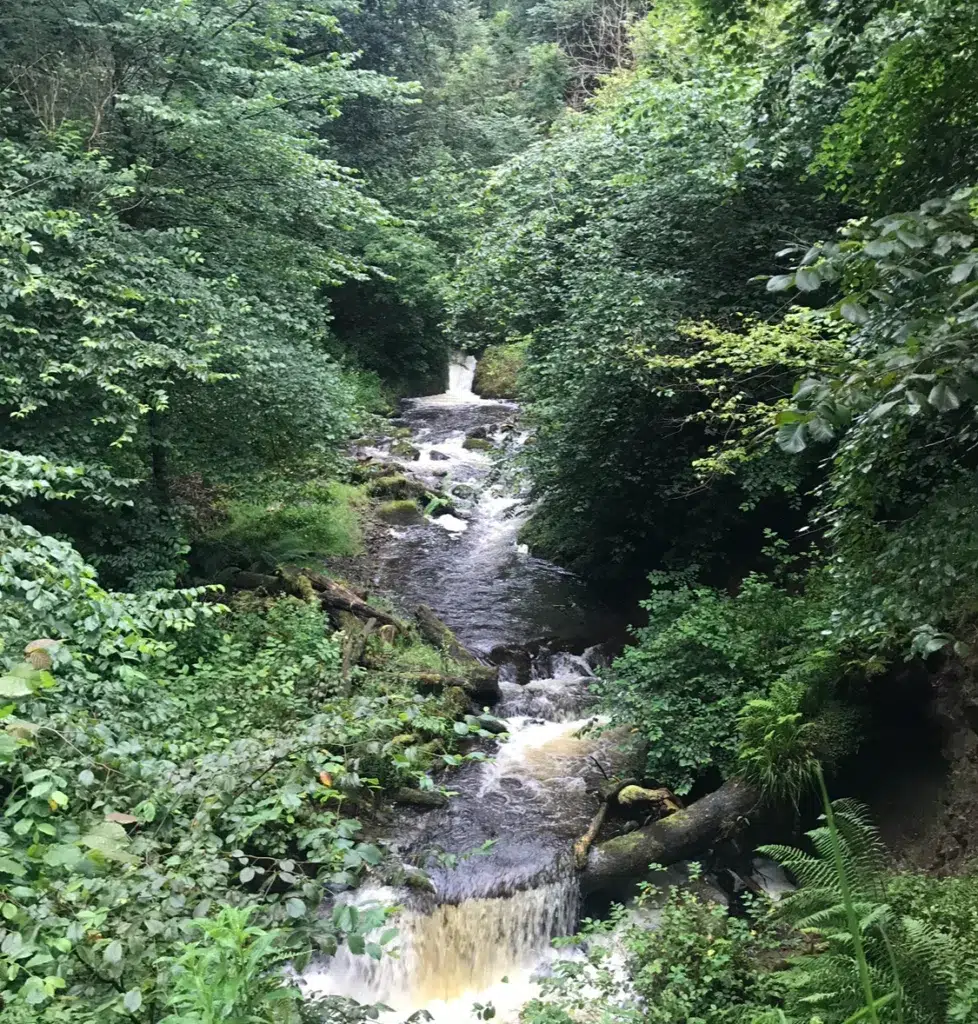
x,y
427,798
679,836
481,680
333,596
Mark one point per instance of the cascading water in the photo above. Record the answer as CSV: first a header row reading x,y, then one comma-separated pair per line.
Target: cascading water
x,y
493,913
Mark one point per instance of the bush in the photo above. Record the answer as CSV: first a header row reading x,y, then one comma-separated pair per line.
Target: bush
x,y
497,372
703,655
316,520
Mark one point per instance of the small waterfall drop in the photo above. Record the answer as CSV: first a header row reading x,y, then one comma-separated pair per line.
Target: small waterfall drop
x,y
461,374
460,953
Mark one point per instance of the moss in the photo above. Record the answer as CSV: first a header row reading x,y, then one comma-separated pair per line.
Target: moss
x,y
397,487
478,444
400,513
405,450
497,372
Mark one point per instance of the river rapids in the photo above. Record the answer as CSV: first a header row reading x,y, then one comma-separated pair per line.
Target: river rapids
x,y
499,853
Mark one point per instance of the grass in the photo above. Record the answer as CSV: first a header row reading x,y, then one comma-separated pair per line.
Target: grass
x,y
285,523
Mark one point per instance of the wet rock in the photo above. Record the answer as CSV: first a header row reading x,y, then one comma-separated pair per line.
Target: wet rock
x,y
464,492
481,681
478,444
401,513
397,487
517,657
415,878
405,450
492,724
437,456
481,433
439,473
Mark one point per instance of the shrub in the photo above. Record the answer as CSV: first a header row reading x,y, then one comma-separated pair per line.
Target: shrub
x,y
703,655
497,372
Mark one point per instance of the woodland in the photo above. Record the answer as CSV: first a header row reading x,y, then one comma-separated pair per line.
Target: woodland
x,y
725,255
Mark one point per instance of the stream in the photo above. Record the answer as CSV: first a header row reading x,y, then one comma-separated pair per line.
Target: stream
x,y
486,931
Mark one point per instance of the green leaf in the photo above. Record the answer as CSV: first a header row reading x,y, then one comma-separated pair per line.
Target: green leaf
x,y
356,943
780,282
132,1000
112,954
12,686
295,907
791,437
854,312
12,867
808,279
943,398
961,272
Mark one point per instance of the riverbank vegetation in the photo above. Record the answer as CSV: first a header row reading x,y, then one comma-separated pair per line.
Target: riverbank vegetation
x,y
725,253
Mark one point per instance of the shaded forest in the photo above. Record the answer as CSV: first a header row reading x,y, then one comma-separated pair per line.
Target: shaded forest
x,y
724,253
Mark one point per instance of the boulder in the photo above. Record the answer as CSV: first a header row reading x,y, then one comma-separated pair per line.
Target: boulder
x,y
481,681
437,456
478,444
405,450
397,487
426,798
401,513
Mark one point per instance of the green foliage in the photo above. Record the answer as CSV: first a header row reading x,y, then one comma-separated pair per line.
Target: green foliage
x,y
284,523
705,654
695,962
873,955
594,247
166,761
497,372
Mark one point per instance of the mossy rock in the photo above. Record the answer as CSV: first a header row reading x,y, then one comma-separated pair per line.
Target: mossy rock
x,y
464,492
397,487
367,471
478,444
401,513
405,450
497,372
399,433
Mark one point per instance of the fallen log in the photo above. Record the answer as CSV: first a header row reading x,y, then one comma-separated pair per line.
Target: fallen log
x,y
609,790
681,835
333,596
482,680
426,798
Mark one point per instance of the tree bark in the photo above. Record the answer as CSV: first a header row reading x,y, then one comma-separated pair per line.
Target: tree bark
x,y
679,836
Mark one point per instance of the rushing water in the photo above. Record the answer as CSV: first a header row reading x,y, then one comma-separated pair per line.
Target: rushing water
x,y
489,925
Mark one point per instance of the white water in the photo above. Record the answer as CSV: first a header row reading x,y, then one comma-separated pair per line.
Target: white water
x,y
461,376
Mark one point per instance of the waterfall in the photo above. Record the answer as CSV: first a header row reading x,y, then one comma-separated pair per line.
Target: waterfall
x,y
506,887
457,954
461,374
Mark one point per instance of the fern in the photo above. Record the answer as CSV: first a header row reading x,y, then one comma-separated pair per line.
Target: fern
x,y
874,964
